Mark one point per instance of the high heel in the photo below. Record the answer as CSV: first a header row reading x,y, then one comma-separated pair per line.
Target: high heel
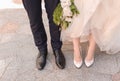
x,y
89,63
78,64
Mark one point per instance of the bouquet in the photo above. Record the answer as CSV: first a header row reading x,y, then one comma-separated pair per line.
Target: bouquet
x,y
64,12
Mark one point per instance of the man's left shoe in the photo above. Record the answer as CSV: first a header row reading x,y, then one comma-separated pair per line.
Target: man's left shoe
x,y
59,59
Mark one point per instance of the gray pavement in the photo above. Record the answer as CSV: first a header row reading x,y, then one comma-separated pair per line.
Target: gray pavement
x,y
18,55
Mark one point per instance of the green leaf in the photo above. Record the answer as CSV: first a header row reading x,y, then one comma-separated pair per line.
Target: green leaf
x,y
57,14
64,24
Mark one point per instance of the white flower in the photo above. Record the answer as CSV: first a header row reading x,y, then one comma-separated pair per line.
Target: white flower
x,y
68,19
65,3
66,7
67,12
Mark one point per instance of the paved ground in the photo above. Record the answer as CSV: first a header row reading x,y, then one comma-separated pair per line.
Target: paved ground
x,y
18,55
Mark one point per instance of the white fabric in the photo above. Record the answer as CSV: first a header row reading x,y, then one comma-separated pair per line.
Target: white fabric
x,y
101,18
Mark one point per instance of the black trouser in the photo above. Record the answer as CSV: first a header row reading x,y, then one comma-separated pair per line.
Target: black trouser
x,y
34,11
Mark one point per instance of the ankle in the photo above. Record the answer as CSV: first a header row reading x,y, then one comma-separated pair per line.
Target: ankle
x,y
77,58
89,58
90,55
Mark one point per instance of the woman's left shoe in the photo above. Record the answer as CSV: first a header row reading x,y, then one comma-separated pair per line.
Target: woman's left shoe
x,y
89,63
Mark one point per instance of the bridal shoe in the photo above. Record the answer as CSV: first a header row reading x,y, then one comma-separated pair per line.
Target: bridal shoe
x,y
89,63
78,64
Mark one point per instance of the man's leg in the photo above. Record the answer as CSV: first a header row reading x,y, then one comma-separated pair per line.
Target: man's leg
x,y
34,11
55,33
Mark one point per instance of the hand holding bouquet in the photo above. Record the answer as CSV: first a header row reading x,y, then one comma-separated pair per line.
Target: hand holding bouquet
x,y
64,13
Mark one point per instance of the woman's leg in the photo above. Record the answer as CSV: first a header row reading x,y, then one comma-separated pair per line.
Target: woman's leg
x,y
76,47
91,49
77,52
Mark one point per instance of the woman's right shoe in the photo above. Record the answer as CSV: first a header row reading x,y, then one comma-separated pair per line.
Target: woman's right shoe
x,y
78,64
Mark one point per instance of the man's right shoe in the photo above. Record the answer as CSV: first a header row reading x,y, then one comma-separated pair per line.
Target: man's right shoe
x,y
41,59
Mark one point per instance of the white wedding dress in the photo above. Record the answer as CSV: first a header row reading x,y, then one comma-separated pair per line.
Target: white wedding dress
x,y
101,18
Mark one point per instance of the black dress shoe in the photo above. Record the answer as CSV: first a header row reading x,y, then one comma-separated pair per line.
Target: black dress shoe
x,y
41,59
59,59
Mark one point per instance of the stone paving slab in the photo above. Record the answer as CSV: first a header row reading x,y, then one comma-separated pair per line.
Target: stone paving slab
x,y
18,55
